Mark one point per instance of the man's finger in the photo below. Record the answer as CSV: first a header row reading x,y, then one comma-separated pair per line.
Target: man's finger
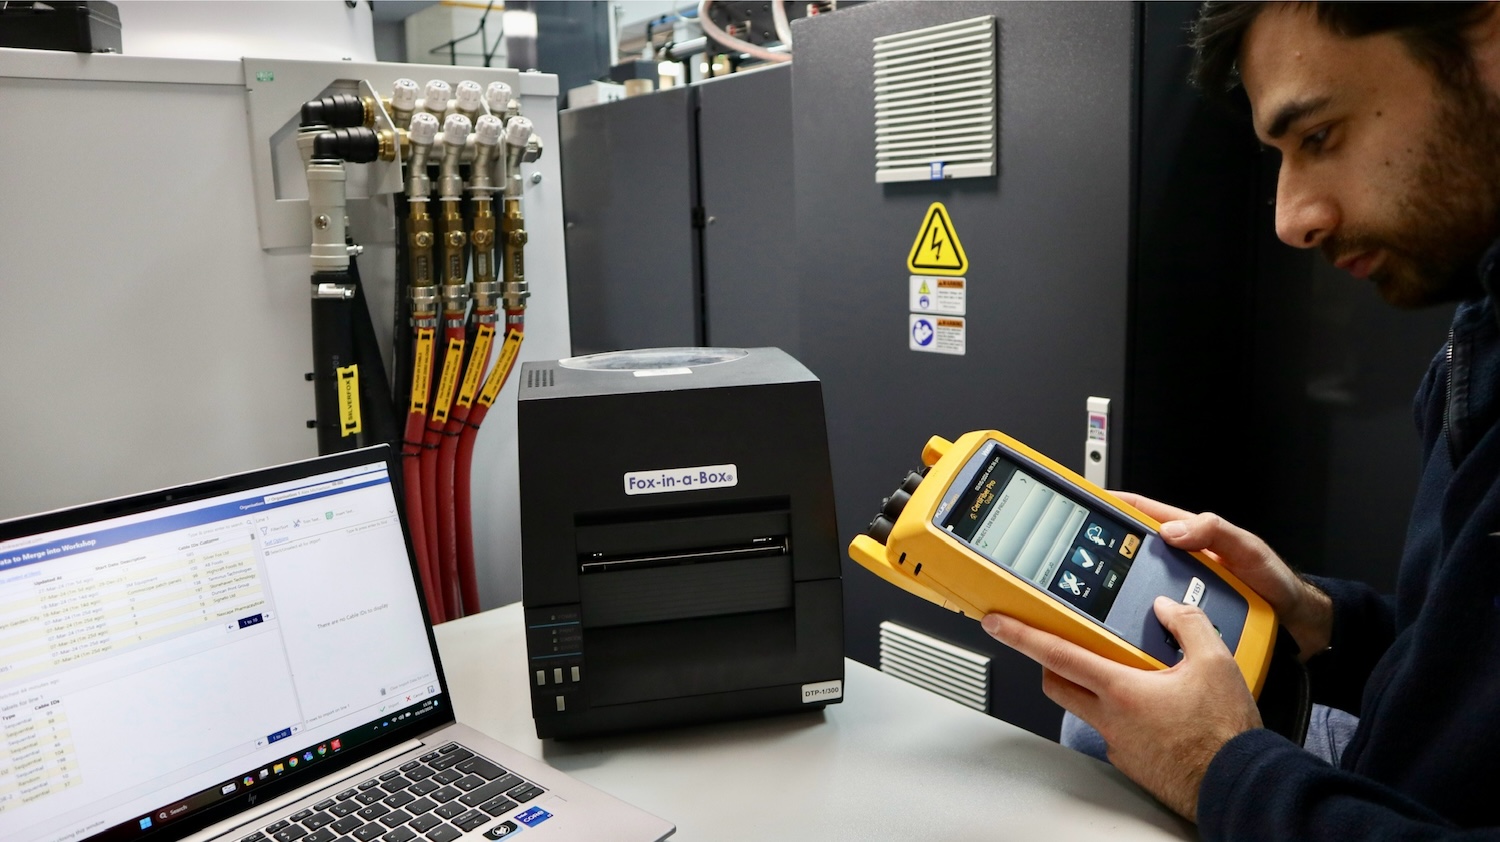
x,y
1154,509
1069,660
1070,696
1208,531
1192,628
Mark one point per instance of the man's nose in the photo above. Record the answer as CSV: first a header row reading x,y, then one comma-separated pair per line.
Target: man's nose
x,y
1305,215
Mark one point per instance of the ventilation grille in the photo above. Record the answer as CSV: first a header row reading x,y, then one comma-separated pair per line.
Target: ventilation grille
x,y
538,378
936,102
932,664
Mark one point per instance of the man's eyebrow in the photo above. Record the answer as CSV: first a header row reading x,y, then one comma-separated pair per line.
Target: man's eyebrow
x,y
1293,111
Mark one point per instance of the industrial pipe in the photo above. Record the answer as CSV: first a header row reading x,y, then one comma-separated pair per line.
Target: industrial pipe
x,y
514,292
437,501
424,299
487,134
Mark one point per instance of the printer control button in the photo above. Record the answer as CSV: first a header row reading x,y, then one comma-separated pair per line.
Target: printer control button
x,y
541,678
562,704
575,673
557,675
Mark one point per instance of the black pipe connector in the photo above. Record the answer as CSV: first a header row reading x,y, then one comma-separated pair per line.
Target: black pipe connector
x,y
340,111
357,146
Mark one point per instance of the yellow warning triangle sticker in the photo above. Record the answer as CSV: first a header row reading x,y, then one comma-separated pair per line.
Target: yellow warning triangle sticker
x,y
923,290
937,250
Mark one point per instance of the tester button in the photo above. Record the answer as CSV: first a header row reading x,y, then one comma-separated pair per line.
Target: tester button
x,y
1194,593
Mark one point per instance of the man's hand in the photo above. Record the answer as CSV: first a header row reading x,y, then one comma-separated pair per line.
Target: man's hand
x,y
1162,727
1305,611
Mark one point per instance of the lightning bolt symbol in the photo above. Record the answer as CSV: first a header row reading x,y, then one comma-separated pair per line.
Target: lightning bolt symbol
x,y
936,245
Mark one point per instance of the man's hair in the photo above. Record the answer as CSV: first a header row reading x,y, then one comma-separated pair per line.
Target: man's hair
x,y
1433,32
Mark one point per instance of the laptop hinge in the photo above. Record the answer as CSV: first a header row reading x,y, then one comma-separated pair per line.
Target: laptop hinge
x,y
255,815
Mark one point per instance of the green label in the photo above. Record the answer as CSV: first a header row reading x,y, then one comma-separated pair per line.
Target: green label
x,y
265,76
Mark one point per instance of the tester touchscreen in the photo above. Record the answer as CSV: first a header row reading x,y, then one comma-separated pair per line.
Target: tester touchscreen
x,y
990,525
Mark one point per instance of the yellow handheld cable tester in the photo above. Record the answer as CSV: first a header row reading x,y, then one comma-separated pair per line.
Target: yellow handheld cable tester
x,y
991,525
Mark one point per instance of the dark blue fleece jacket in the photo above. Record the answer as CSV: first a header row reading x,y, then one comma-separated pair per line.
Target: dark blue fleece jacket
x,y
1422,669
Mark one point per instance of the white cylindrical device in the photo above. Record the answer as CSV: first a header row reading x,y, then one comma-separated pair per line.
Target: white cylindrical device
x,y
435,97
468,98
456,130
497,96
424,129
404,95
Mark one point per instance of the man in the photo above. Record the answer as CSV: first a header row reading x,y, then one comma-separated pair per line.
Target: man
x,y
1387,119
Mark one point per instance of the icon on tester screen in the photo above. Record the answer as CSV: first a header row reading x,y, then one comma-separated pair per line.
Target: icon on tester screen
x,y
1085,559
1069,582
1099,535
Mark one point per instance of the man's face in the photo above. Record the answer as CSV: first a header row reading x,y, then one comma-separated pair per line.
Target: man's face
x,y
1393,175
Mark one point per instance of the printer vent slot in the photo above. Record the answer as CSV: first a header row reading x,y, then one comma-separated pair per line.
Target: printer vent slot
x,y
935,665
538,378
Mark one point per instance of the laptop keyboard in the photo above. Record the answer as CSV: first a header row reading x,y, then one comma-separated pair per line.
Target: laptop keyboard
x,y
438,797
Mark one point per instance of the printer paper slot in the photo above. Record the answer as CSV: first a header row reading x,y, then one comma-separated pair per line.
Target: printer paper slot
x,y
680,591
755,548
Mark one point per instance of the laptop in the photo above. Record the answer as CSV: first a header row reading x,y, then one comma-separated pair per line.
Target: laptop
x,y
249,658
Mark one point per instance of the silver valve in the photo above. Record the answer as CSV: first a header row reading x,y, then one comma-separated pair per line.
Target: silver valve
x,y
456,130
455,133
487,131
423,131
497,97
468,98
517,133
435,97
404,99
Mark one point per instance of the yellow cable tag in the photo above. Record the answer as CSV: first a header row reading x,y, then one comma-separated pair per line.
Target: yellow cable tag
x,y
452,362
421,374
497,378
477,359
348,385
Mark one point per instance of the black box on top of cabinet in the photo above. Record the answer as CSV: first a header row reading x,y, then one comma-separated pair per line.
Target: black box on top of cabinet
x,y
680,556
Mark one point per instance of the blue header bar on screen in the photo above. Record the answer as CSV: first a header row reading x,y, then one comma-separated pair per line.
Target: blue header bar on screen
x,y
112,536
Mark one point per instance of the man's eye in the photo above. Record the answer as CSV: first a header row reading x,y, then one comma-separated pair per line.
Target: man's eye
x,y
1315,141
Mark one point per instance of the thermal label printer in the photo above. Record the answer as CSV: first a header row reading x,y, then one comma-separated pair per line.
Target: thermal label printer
x,y
680,557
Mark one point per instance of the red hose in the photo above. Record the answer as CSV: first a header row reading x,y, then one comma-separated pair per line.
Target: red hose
x,y
462,533
411,452
439,506
464,462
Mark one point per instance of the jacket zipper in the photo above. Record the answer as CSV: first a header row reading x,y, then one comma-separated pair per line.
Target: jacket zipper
x,y
1448,404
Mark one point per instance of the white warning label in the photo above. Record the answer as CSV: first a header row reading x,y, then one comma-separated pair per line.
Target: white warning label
x,y
938,295
935,334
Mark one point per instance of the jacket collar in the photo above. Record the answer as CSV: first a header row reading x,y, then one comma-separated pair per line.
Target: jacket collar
x,y
1473,393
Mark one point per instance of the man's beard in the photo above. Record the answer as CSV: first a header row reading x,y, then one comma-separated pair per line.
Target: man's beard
x,y
1451,212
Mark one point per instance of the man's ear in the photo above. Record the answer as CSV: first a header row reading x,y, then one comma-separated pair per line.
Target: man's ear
x,y
1484,42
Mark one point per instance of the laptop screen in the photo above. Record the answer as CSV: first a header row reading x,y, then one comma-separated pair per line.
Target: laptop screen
x,y
169,659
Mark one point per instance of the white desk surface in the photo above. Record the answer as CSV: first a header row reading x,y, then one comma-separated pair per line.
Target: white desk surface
x,y
892,761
